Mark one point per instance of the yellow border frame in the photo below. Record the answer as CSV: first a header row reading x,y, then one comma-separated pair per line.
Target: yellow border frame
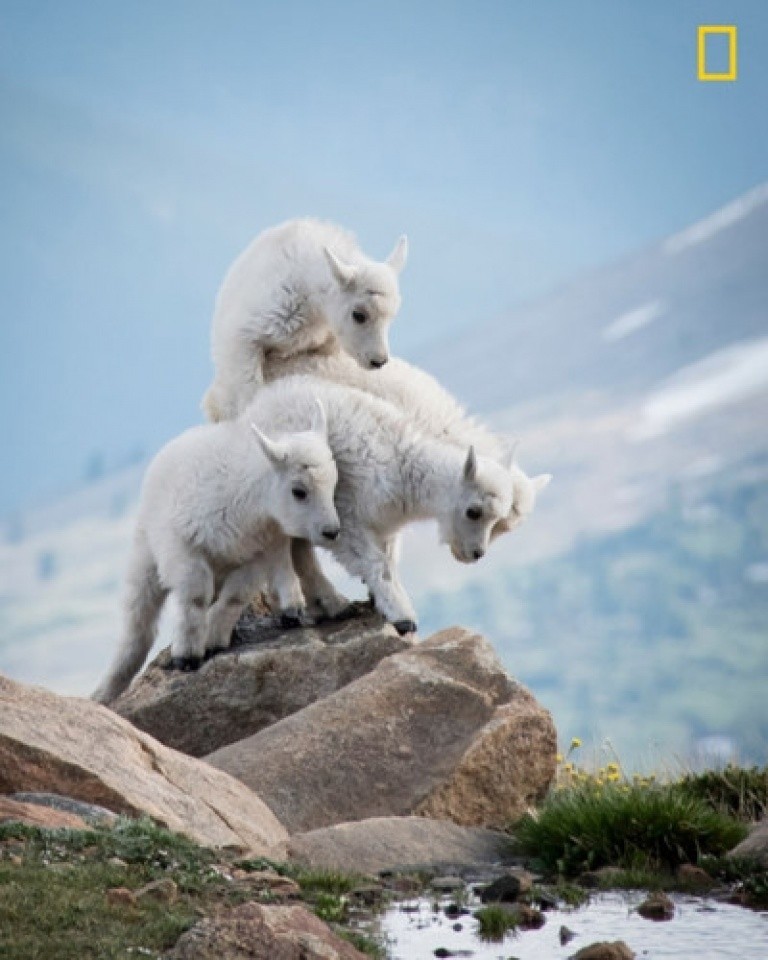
x,y
706,30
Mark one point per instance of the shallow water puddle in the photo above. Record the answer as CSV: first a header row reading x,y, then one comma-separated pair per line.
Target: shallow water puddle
x,y
700,930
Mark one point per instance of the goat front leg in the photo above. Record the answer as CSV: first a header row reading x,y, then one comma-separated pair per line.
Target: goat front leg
x,y
366,556
191,582
234,596
284,586
323,599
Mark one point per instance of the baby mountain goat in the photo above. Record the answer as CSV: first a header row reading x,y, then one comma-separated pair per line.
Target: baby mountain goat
x,y
431,408
390,474
217,507
298,286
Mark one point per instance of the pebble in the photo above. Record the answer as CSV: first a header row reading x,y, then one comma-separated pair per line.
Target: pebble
x,y
121,897
657,906
163,890
447,884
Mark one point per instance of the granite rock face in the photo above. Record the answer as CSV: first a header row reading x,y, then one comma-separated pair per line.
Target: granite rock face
x,y
399,843
439,729
755,846
82,750
252,931
269,673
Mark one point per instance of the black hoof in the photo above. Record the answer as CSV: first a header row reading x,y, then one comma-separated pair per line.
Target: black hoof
x,y
289,619
404,626
186,664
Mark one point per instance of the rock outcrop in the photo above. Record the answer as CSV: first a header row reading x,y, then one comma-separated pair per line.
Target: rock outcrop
x,y
76,747
252,931
35,815
439,729
399,843
268,674
755,846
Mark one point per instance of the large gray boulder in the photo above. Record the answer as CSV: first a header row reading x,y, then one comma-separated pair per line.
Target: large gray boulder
x,y
268,674
400,843
439,729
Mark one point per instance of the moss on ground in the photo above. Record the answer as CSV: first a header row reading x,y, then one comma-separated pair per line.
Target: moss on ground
x,y
54,883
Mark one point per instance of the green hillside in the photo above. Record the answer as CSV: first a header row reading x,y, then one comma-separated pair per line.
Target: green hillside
x,y
655,637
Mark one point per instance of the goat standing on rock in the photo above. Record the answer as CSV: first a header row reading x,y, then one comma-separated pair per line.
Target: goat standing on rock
x,y
429,407
390,475
298,286
217,508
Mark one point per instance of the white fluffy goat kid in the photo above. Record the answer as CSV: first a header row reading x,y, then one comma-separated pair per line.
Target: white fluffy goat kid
x,y
298,286
217,508
390,475
431,408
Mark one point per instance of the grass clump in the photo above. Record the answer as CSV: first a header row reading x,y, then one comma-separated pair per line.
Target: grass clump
x,y
589,825
366,944
741,792
324,881
494,922
57,894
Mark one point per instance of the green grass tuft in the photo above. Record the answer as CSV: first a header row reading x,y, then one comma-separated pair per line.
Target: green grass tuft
x,y
654,827
741,792
494,923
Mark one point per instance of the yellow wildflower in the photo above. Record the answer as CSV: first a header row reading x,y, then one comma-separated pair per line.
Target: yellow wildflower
x,y
575,743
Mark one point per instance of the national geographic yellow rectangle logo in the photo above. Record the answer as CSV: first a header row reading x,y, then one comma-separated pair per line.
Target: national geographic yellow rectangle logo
x,y
708,30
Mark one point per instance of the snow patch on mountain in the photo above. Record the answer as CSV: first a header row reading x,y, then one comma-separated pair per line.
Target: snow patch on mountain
x,y
716,222
634,320
722,378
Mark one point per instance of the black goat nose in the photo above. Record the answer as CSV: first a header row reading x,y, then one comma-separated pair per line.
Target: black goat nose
x,y
330,533
377,363
477,554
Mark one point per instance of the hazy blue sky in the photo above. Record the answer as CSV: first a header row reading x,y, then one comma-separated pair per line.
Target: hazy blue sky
x,y
143,144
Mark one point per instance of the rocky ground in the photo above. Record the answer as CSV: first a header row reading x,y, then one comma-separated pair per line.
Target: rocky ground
x,y
296,780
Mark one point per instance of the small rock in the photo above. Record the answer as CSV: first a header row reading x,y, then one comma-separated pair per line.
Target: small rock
x,y
368,895
121,897
447,884
163,890
529,918
504,890
566,935
454,910
657,906
117,862
275,883
694,877
458,927
618,950
15,859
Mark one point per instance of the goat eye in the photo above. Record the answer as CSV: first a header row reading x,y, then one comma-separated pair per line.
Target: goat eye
x,y
474,514
359,316
299,494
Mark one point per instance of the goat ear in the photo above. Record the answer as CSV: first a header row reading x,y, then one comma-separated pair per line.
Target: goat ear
x,y
344,272
272,451
319,418
396,259
470,465
541,481
509,459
